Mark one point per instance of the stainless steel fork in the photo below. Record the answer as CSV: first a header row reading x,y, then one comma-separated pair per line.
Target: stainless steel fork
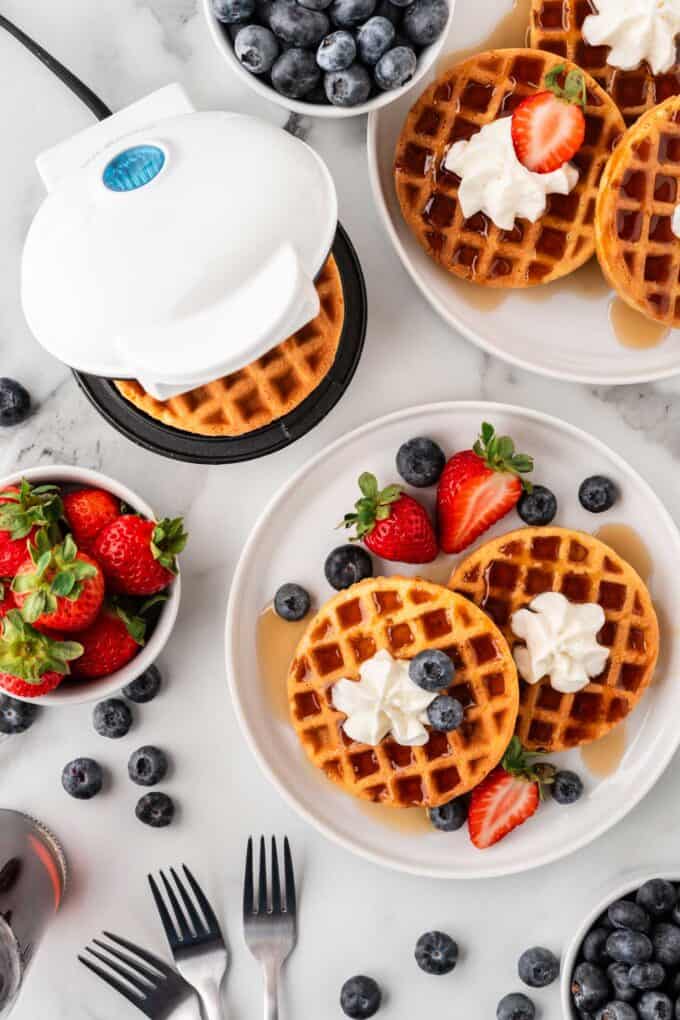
x,y
270,924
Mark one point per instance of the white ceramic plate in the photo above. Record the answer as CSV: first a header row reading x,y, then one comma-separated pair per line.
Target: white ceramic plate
x,y
564,329
290,543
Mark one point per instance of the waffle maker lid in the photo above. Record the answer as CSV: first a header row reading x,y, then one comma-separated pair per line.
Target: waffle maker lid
x,y
175,246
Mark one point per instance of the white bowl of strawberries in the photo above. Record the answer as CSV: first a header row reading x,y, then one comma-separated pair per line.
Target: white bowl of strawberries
x,y
89,584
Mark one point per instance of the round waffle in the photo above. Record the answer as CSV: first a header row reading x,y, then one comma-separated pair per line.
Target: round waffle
x,y
504,575
636,246
556,26
455,107
404,616
266,389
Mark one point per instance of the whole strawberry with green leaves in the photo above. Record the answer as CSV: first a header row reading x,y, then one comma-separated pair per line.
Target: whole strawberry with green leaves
x,y
392,524
24,509
32,663
58,586
138,556
112,640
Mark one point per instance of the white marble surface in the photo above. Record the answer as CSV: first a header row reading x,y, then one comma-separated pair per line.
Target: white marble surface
x,y
354,916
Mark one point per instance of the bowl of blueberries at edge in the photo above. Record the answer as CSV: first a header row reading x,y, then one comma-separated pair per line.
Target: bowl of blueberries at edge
x,y
330,58
624,962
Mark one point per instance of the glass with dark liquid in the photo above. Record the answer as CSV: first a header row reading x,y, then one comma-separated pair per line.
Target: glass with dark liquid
x,y
32,883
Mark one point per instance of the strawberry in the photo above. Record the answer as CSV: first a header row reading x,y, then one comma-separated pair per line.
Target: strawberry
x,y
87,512
6,599
391,524
110,642
549,127
138,557
477,487
24,509
507,797
32,663
58,587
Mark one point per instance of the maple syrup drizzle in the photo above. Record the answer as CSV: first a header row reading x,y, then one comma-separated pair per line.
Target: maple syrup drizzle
x,y
629,545
633,329
512,30
603,757
277,640
408,821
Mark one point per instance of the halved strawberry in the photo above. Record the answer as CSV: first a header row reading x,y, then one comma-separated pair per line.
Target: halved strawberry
x,y
549,127
507,797
391,524
477,487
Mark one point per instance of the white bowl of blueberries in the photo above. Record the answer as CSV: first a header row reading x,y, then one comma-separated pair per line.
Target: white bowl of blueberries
x,y
624,962
330,58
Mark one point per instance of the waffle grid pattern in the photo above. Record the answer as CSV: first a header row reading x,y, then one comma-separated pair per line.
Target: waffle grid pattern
x,y
265,390
636,245
474,93
556,27
504,575
404,616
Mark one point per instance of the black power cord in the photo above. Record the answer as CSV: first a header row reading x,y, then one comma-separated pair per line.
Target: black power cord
x,y
79,88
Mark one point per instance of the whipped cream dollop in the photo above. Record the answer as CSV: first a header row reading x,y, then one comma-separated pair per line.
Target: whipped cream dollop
x,y
561,642
675,221
493,180
384,700
636,30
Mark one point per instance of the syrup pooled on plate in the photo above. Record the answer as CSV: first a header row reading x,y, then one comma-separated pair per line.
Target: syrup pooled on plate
x,y
603,757
632,329
277,640
407,821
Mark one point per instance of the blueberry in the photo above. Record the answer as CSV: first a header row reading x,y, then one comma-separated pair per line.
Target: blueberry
x,y
445,714
619,975
263,12
594,945
348,88
230,12
626,914
450,817
432,670
566,787
360,997
346,565
424,21
373,39
420,461
295,73
292,602
337,51
297,25
15,402
315,5
666,942
538,967
112,718
389,10
589,987
144,687
257,49
436,953
598,494
537,507
16,716
155,809
658,897
645,976
147,766
82,778
626,946
617,1011
395,68
348,13
655,1006
515,1006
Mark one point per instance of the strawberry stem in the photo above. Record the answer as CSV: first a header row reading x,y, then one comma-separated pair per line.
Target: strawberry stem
x,y
28,654
498,453
574,88
374,505
523,765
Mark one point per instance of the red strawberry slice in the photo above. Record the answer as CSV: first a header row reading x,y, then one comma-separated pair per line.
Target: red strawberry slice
x,y
549,128
507,797
478,487
391,524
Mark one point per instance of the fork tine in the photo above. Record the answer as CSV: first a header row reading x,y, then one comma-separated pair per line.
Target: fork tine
x,y
248,893
208,912
179,913
276,883
151,977
262,884
113,982
143,954
142,986
291,899
195,918
166,920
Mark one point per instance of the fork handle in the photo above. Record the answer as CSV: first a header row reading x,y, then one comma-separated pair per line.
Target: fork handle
x,y
271,992
211,1000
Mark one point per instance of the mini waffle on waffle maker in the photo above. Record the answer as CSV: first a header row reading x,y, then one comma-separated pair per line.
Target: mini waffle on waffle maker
x,y
504,575
455,107
404,616
636,246
556,27
264,390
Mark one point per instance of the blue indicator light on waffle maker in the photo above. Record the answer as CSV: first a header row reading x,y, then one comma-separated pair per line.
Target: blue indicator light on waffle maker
x,y
133,168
